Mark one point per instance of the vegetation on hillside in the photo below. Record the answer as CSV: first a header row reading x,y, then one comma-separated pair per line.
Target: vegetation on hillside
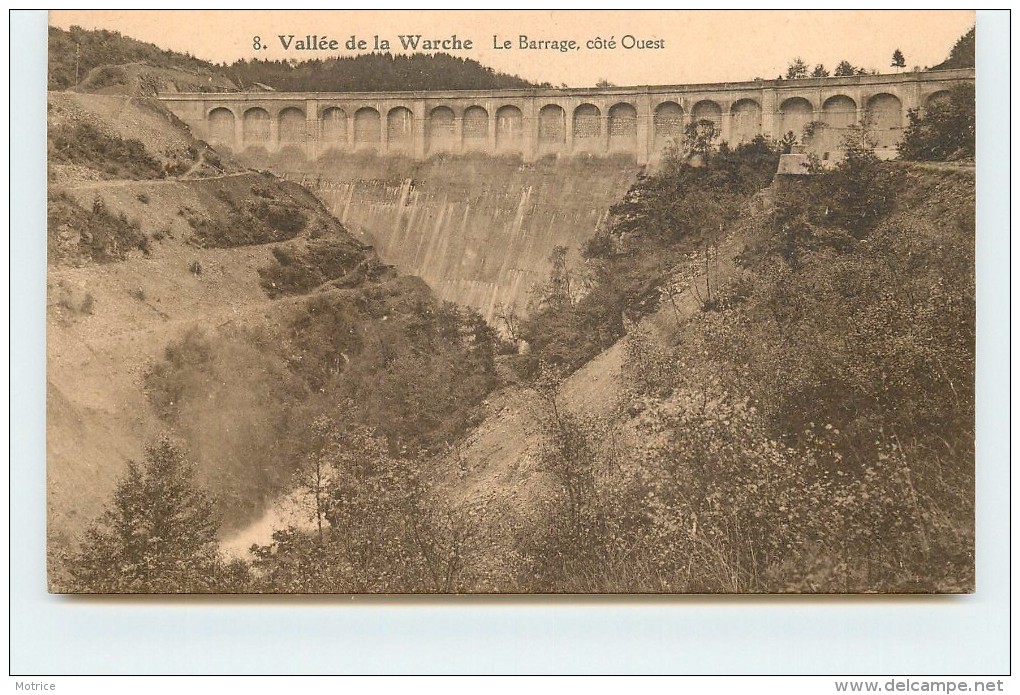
x,y
810,430
373,72
944,131
76,52
87,49
75,233
962,53
84,144
661,221
416,369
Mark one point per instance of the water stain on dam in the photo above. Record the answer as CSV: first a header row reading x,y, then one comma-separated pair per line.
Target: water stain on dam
x,y
478,229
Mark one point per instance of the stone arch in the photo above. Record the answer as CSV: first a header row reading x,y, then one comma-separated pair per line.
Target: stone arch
x,y
476,127
745,120
794,114
552,127
367,126
333,127
509,128
886,114
668,122
623,127
935,97
839,112
441,130
221,126
256,126
292,125
587,127
708,110
399,128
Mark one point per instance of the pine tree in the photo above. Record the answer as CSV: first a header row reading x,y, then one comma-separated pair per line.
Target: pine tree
x,y
157,536
845,69
797,69
898,61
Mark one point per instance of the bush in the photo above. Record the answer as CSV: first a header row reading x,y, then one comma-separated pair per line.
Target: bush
x,y
84,144
944,131
101,236
248,219
300,268
158,534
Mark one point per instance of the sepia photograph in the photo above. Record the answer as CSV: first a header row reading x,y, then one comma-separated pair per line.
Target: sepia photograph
x,y
518,302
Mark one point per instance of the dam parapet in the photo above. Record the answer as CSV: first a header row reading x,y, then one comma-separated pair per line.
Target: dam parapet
x,y
531,123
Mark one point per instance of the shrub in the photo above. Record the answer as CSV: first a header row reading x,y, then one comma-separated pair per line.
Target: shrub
x,y
102,236
944,131
157,535
84,144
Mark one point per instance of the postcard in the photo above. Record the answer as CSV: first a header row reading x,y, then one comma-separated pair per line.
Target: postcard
x,y
649,302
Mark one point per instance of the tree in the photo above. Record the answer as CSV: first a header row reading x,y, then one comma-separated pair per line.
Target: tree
x,y
698,137
558,291
859,190
962,54
157,536
845,69
316,477
898,61
944,131
797,69
820,71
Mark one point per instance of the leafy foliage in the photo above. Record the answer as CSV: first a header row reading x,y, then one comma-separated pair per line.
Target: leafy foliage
x,y
157,536
247,399
95,233
698,192
962,53
300,268
374,72
814,434
385,533
262,216
847,69
944,131
101,48
84,144
797,69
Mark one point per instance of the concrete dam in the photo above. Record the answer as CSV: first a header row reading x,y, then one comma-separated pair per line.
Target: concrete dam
x,y
471,190
478,229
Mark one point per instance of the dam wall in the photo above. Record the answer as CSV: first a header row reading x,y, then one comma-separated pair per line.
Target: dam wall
x,y
480,230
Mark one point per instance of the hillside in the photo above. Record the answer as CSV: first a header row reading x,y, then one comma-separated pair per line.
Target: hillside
x,y
99,54
109,62
762,445
374,72
789,406
708,378
178,283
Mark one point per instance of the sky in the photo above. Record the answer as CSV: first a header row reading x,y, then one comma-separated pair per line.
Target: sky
x,y
692,47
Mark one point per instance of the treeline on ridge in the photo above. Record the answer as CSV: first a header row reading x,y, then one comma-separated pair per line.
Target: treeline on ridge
x,y
367,72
